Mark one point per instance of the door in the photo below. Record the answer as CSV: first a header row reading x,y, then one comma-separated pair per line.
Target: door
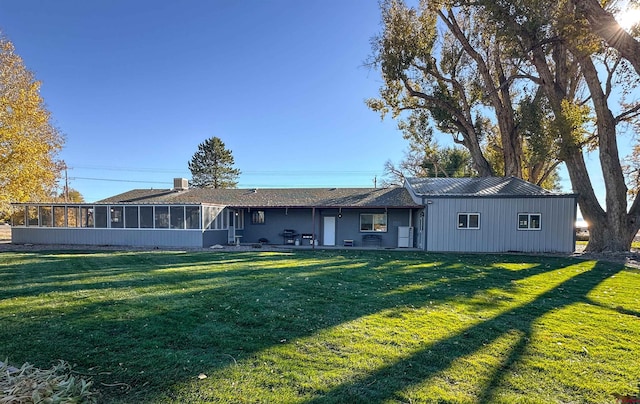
x,y
403,236
329,235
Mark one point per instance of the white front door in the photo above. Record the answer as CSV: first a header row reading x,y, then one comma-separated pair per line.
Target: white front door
x,y
329,231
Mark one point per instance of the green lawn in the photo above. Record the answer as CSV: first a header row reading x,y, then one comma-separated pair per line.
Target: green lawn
x,y
326,326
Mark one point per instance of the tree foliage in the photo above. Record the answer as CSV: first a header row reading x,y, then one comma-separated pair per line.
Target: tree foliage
x,y
29,143
212,166
449,68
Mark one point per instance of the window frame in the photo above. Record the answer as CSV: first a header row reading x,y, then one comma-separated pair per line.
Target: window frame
x,y
529,221
468,221
258,217
374,223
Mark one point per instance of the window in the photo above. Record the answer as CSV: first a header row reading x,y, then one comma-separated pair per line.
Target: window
x,y
161,216
146,217
177,217
216,218
529,221
18,216
257,217
100,218
45,216
58,216
131,217
32,216
72,216
373,222
86,217
192,217
468,220
117,217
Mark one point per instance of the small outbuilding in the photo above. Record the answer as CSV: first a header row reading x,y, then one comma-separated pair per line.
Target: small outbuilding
x,y
492,214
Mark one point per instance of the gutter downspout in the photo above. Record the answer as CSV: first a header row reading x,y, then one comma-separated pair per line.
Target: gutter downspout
x,y
313,228
424,224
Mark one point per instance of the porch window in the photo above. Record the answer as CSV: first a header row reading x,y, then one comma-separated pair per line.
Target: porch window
x,y
468,220
58,216
86,217
18,216
117,217
146,217
100,216
192,217
177,217
72,216
257,217
529,221
373,222
131,217
32,216
161,217
45,216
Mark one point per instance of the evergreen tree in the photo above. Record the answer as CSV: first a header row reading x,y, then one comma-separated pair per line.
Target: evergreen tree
x,y
212,166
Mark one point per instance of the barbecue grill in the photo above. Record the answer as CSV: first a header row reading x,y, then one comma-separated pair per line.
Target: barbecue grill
x,y
289,236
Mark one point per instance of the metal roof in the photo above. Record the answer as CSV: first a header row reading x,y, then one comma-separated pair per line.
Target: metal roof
x,y
273,197
482,186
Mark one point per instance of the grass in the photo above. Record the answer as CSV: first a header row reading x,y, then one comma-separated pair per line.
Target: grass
x,y
326,326
635,245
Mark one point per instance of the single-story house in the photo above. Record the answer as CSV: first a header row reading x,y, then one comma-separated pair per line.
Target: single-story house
x,y
432,214
196,217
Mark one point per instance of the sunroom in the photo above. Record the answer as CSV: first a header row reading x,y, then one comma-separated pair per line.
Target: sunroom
x,y
161,225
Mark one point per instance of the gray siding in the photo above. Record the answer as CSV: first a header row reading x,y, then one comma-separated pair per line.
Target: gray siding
x,y
213,237
117,237
498,225
275,221
301,220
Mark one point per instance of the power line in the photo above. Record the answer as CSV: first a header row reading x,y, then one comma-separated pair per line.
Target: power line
x,y
119,180
251,172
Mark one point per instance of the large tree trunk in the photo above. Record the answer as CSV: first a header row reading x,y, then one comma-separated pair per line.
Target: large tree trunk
x,y
609,230
614,234
497,89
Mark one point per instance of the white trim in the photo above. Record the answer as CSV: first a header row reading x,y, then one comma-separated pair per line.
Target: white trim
x,y
468,214
529,228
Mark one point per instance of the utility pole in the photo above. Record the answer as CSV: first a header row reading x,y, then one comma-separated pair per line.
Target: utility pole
x,y
66,182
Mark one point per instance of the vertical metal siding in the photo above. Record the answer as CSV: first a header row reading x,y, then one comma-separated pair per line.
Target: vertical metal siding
x,y
498,225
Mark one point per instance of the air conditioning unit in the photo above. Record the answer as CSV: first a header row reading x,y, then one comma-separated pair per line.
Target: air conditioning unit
x,y
180,184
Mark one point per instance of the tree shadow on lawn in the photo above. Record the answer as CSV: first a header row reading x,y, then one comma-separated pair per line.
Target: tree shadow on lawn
x,y
140,346
73,270
389,383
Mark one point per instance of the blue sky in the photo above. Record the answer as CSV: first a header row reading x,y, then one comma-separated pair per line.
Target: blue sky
x,y
135,86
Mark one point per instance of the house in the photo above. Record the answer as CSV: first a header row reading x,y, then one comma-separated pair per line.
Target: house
x,y
492,214
433,214
193,218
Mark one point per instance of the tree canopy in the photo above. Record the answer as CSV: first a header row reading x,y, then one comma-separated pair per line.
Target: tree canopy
x,y
450,69
29,143
212,166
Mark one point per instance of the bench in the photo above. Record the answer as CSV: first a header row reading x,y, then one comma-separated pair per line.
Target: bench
x,y
372,239
348,243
